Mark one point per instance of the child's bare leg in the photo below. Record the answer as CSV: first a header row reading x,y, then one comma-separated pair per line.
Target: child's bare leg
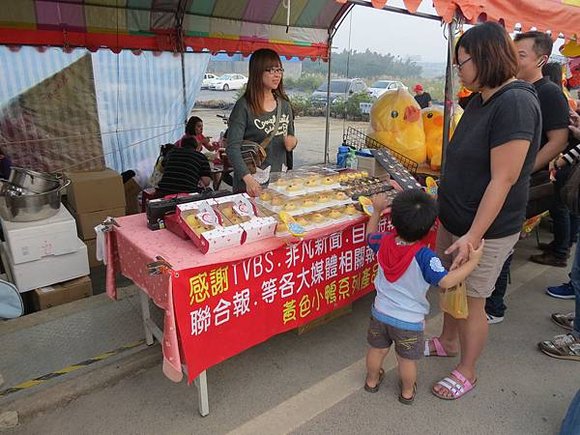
x,y
375,358
408,376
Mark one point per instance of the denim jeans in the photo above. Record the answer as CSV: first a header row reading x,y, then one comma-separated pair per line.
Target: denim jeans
x,y
494,304
571,423
575,283
565,223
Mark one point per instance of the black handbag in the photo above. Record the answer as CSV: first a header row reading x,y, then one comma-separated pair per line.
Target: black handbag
x,y
255,153
541,194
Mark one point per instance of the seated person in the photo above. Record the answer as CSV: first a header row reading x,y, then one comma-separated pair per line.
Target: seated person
x,y
184,169
194,129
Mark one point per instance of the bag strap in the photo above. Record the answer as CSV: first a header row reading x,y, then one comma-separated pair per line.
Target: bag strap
x,y
264,144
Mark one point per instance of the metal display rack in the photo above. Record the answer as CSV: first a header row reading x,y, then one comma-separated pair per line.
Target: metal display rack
x,y
359,140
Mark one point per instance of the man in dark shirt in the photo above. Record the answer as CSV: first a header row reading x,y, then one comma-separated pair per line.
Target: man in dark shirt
x,y
184,168
534,49
423,98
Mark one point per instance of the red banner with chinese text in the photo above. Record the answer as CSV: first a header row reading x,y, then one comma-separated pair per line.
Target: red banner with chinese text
x,y
225,309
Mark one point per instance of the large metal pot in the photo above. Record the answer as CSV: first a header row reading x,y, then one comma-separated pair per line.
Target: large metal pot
x,y
18,207
36,182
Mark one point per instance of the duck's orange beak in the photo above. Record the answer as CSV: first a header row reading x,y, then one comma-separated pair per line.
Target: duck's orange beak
x,y
412,114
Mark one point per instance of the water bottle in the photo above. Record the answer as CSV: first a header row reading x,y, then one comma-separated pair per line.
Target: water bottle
x,y
341,156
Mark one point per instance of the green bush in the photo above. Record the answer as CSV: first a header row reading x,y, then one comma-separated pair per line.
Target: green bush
x,y
350,108
301,105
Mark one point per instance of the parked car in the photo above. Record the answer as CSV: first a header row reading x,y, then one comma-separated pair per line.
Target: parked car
x,y
339,89
208,78
379,87
228,82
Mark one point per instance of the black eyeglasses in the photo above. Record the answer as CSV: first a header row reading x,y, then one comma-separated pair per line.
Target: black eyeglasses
x,y
275,70
459,65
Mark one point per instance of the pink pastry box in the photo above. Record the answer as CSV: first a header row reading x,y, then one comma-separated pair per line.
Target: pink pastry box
x,y
225,222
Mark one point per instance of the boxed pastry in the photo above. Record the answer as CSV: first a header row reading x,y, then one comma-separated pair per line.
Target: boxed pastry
x,y
205,226
241,210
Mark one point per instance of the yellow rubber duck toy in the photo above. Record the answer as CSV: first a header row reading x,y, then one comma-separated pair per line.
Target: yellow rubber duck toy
x,y
396,123
433,118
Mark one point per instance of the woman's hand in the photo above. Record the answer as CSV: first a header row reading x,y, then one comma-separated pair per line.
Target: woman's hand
x,y
462,247
253,188
290,142
574,124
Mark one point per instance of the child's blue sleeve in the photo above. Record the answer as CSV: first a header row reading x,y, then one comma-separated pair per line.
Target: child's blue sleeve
x,y
374,240
431,266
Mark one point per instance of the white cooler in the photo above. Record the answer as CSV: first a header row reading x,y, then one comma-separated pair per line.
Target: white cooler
x,y
30,241
48,270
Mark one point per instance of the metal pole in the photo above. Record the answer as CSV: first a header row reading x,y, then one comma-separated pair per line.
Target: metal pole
x,y
327,137
183,86
448,106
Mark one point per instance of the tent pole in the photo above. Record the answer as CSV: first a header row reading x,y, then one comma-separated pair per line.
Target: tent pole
x,y
448,106
327,136
183,86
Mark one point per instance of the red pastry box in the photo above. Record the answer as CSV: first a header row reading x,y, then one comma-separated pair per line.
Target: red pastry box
x,y
207,228
241,210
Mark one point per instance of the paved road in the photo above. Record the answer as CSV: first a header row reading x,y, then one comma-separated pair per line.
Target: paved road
x,y
312,384
309,130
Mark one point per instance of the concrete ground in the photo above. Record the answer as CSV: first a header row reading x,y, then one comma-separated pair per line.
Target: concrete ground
x,y
313,383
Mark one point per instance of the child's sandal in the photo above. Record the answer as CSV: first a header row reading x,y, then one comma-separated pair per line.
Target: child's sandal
x,y
374,389
411,399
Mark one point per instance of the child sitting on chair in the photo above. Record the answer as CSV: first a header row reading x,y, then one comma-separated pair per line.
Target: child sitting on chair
x,y
406,270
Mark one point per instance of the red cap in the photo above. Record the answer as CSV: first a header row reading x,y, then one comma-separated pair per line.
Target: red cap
x,y
418,87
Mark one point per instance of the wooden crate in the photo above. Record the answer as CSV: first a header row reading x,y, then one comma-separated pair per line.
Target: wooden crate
x,y
323,320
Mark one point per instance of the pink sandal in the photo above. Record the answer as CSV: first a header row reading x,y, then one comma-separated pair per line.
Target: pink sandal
x,y
439,349
458,387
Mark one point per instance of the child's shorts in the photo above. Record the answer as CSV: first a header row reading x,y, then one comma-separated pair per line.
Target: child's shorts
x,y
408,344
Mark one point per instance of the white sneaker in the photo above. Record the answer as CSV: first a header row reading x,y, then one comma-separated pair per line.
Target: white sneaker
x,y
492,320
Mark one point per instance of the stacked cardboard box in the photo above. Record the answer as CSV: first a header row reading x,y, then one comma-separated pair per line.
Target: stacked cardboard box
x,y
62,293
44,252
91,198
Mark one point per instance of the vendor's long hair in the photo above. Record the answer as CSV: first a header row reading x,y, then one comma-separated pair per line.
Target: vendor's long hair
x,y
260,61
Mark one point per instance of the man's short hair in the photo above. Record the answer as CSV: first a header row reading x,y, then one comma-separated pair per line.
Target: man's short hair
x,y
542,42
188,142
413,213
492,51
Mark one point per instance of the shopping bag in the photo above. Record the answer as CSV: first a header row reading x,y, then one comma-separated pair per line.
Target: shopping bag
x,y
453,301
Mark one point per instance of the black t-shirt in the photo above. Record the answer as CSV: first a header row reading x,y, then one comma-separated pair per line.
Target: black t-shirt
x,y
512,113
183,169
553,106
423,99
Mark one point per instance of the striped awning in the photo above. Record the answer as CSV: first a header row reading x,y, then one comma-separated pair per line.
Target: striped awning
x,y
291,27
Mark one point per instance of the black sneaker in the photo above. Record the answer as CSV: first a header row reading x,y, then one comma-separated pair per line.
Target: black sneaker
x,y
549,259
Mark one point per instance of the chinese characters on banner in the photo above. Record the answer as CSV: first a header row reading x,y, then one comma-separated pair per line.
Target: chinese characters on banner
x,y
225,309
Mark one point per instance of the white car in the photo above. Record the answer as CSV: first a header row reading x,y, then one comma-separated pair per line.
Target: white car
x,y
379,87
228,82
207,79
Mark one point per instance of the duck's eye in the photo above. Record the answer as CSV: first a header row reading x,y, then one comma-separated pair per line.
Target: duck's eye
x,y
429,115
394,114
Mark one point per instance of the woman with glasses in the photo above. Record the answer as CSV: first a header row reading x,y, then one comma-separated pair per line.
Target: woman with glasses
x,y
254,117
484,188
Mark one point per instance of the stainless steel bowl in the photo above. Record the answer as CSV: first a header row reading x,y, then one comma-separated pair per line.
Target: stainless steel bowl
x,y
18,207
36,182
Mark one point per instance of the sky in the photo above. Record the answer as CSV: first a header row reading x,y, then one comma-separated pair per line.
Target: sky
x,y
388,32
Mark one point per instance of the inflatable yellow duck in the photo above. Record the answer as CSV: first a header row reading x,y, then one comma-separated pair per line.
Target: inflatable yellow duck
x,y
396,123
433,125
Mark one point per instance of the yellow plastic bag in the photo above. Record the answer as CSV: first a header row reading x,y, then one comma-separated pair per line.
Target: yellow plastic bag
x,y
453,301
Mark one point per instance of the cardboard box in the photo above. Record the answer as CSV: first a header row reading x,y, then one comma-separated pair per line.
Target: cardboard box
x,y
48,270
92,253
132,190
30,241
94,191
62,293
86,222
371,165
